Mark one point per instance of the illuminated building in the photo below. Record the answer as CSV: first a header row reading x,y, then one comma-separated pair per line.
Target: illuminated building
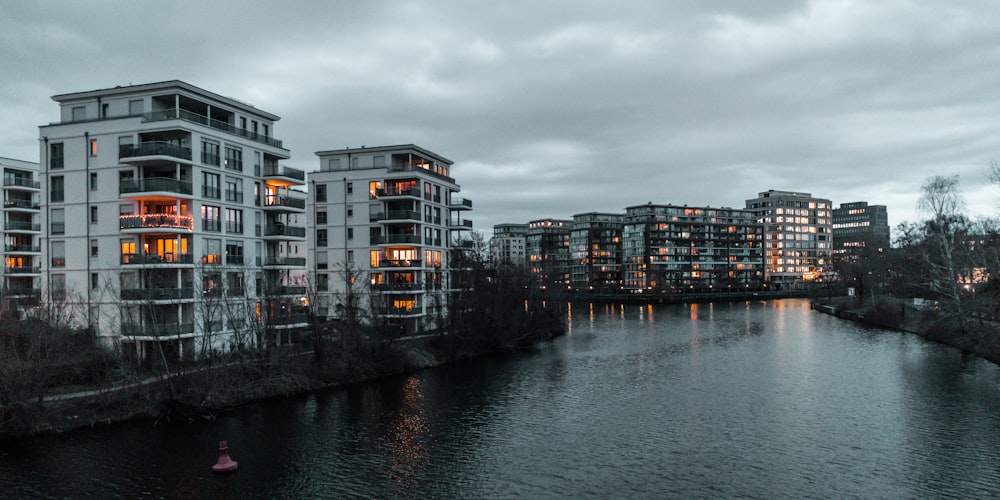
x,y
798,234
168,222
508,244
595,250
22,232
548,252
386,223
860,225
671,248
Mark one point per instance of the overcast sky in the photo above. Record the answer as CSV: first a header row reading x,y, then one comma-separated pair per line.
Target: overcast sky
x,y
553,108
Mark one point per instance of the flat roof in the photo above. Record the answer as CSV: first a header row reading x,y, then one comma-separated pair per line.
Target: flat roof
x,y
386,149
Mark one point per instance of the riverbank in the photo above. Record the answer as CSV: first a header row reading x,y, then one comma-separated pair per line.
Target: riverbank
x,y
980,337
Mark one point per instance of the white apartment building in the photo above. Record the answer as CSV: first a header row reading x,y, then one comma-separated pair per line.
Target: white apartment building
x,y
21,232
168,221
508,244
798,236
386,220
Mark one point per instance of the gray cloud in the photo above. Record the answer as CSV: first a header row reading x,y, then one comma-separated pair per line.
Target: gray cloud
x,y
556,108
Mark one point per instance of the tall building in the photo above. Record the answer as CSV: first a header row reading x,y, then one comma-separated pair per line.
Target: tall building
x,y
170,227
21,234
859,225
386,221
673,248
798,234
547,246
508,244
596,249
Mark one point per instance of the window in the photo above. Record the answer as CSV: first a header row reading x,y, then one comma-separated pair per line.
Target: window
x,y
350,233
234,221
267,129
210,185
57,189
321,262
322,282
128,251
57,221
79,113
321,237
256,163
350,186
104,110
213,252
135,107
373,188
350,210
56,156
93,147
234,252
94,280
321,217
333,164
234,158
321,192
243,122
93,214
350,256
58,254
379,161
256,194
234,190
210,218
93,181
210,153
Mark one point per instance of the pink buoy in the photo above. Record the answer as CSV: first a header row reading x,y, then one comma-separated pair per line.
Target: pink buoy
x,y
225,464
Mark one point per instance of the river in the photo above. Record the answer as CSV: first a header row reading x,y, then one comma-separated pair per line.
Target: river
x,y
755,399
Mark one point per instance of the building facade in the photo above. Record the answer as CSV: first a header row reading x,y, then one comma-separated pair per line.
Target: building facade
x,y
798,234
547,246
21,289
508,244
670,249
386,221
858,225
169,223
596,251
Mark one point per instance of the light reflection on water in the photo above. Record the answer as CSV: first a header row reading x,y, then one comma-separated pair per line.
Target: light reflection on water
x,y
758,399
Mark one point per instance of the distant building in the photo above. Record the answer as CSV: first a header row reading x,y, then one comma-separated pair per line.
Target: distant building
x,y
386,221
169,223
22,254
677,248
508,244
859,225
596,249
547,245
798,234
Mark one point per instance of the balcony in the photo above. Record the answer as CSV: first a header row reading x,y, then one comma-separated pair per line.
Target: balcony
x,y
284,203
398,238
164,186
22,249
398,287
157,330
284,290
23,293
392,215
154,294
182,114
294,175
285,262
21,204
23,182
131,259
22,270
168,150
152,223
393,191
460,224
282,230
460,204
399,263
22,226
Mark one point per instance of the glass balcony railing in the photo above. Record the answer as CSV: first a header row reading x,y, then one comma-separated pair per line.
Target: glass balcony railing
x,y
283,230
150,184
154,148
283,171
285,261
157,293
284,201
183,114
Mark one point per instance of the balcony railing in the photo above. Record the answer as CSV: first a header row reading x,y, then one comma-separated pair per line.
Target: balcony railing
x,y
14,292
21,204
399,263
459,203
460,223
234,196
20,182
283,171
398,215
22,248
395,191
154,148
149,184
152,258
285,261
21,226
157,293
399,238
285,290
284,201
156,330
22,270
155,221
283,230
182,114
398,287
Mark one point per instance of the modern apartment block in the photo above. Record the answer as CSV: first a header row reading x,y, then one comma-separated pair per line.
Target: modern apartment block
x,y
549,258
21,234
169,223
858,225
386,220
798,234
596,249
671,248
508,245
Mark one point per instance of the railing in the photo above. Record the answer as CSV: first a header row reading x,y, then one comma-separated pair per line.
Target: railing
x,y
157,293
22,270
181,114
274,200
234,196
155,221
283,230
398,238
152,258
23,292
22,248
156,330
21,204
399,263
398,215
398,287
393,191
460,223
460,203
155,184
154,148
20,182
22,226
285,261
285,290
283,171
234,260
211,192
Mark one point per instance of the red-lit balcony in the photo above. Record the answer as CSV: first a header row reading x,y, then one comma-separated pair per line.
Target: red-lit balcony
x,y
155,223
